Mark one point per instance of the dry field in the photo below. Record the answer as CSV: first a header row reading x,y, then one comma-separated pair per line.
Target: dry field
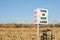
x,y
28,32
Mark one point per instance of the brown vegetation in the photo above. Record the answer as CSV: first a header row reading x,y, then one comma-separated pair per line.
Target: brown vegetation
x,y
27,25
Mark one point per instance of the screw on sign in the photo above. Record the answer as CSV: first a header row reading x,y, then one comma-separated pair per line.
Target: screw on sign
x,y
35,16
35,12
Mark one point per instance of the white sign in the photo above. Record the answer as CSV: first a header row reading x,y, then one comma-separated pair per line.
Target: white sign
x,y
41,16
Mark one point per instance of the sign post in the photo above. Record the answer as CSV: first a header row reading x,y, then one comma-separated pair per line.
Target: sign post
x,y
38,32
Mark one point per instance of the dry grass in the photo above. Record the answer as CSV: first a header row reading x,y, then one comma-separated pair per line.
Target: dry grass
x,y
28,26
27,31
